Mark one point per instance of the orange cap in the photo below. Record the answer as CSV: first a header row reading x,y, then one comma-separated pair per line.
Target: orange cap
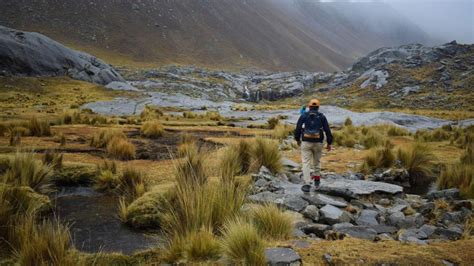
x,y
314,102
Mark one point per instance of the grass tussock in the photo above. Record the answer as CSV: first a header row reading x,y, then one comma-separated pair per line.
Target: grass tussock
x,y
348,122
150,113
273,122
382,157
106,181
191,167
152,129
458,176
61,139
53,159
419,162
373,138
25,170
201,246
242,243
38,128
102,138
236,160
395,131
132,183
265,152
121,149
45,243
272,222
282,131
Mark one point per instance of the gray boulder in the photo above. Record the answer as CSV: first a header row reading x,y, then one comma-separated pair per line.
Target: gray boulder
x,y
311,212
452,233
359,187
282,257
399,220
362,232
316,229
452,193
293,202
120,86
33,54
334,215
368,218
321,200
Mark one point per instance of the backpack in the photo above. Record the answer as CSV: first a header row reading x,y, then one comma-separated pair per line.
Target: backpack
x,y
313,125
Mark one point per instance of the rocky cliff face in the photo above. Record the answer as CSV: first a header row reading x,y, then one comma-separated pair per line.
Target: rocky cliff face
x,y
33,54
278,35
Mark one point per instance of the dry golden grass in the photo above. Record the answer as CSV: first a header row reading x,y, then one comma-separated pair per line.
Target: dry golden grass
x,y
419,162
121,149
272,222
152,129
265,153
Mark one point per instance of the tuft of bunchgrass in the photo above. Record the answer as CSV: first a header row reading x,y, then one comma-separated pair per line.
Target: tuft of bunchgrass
x,y
373,138
459,176
191,167
382,157
242,244
39,128
132,183
273,122
150,113
395,131
102,138
121,149
106,181
265,152
281,131
272,222
25,170
43,243
348,122
419,162
152,129
468,156
53,159
201,246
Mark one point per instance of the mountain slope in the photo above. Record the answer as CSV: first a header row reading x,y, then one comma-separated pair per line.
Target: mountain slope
x,y
274,35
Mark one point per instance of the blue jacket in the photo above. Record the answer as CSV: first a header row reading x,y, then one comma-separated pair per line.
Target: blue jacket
x,y
299,129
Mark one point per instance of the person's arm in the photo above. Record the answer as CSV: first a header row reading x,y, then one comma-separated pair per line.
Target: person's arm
x,y
327,131
298,130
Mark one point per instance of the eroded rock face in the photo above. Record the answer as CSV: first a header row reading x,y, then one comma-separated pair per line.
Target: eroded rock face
x,y
33,54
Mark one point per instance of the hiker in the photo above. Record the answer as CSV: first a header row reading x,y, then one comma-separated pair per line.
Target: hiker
x,y
309,135
303,110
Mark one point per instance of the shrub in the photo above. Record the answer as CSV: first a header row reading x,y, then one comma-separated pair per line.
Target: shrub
x,y
348,122
418,160
25,170
106,181
53,159
265,153
152,129
102,138
242,243
272,222
46,243
373,139
379,158
273,122
121,149
39,128
458,176
394,131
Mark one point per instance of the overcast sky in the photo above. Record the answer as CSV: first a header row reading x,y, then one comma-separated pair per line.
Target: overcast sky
x,y
445,20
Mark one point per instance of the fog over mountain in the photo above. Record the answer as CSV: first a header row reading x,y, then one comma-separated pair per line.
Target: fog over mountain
x,y
239,34
443,20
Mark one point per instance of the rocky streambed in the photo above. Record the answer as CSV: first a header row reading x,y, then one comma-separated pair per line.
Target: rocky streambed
x,y
346,205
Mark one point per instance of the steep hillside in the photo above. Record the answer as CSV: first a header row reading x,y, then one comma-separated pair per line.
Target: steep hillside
x,y
233,34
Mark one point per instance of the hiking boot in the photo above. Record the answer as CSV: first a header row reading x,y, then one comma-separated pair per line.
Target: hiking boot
x,y
306,188
317,181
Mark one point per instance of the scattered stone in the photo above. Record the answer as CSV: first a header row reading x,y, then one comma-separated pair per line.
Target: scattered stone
x,y
362,232
333,215
383,237
282,256
368,218
311,212
266,197
448,234
300,243
452,193
316,229
384,229
328,258
399,220
297,233
384,202
341,225
294,203
321,200
427,208
120,86
397,208
459,204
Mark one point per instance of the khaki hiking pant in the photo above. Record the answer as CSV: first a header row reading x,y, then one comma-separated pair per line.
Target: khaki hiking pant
x,y
311,155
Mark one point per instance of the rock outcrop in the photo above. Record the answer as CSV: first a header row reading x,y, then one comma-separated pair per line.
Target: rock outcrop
x,y
369,210
33,54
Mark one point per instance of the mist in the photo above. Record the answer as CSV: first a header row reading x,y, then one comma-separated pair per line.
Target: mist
x,y
442,20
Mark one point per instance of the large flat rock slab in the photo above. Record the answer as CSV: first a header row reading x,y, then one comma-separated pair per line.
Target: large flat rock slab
x,y
361,187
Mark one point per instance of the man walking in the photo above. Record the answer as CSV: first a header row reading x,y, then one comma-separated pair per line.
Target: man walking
x,y
310,136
